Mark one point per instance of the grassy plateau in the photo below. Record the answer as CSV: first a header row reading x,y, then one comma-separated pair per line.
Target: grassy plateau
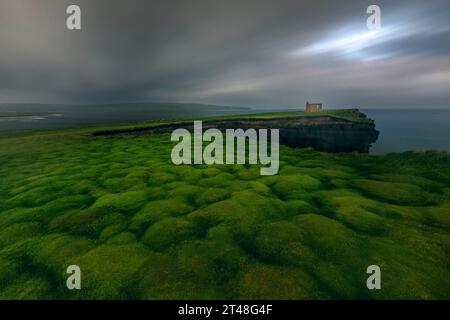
x,y
140,227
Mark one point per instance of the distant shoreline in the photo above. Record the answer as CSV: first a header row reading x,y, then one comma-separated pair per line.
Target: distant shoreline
x,y
14,114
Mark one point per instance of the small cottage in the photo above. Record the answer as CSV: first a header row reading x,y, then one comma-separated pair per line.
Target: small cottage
x,y
313,107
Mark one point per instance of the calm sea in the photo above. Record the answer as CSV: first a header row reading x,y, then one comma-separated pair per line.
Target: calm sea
x,y
412,129
400,130
65,116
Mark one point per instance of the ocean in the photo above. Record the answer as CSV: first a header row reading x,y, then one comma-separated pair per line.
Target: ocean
x,y
410,129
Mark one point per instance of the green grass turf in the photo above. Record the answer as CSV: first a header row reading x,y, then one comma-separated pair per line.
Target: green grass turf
x,y
140,227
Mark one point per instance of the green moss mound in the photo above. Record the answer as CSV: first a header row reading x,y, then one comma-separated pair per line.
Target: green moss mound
x,y
397,192
126,202
109,269
295,186
158,210
89,222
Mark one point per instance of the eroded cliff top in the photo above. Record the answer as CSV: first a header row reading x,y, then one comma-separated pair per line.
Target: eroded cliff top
x,y
281,118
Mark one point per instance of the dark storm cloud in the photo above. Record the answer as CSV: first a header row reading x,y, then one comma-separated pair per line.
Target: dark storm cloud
x,y
253,53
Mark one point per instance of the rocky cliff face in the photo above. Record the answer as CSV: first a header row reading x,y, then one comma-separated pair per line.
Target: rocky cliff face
x,y
324,133
321,133
336,137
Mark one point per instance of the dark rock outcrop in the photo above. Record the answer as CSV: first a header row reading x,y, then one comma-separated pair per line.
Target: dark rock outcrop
x,y
324,133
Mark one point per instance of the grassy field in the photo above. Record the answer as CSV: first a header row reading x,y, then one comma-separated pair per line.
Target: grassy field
x,y
140,227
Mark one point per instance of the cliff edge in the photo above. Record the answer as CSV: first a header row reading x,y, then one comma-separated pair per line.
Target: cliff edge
x,y
331,131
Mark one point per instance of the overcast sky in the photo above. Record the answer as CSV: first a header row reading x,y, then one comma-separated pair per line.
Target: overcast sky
x,y
253,53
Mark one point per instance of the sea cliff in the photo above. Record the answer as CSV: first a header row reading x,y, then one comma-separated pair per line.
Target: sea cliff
x,y
331,131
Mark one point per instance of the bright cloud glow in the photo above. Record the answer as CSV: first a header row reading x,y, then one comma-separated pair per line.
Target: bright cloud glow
x,y
351,44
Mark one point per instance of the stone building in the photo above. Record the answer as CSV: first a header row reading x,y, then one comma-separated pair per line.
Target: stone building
x,y
313,107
